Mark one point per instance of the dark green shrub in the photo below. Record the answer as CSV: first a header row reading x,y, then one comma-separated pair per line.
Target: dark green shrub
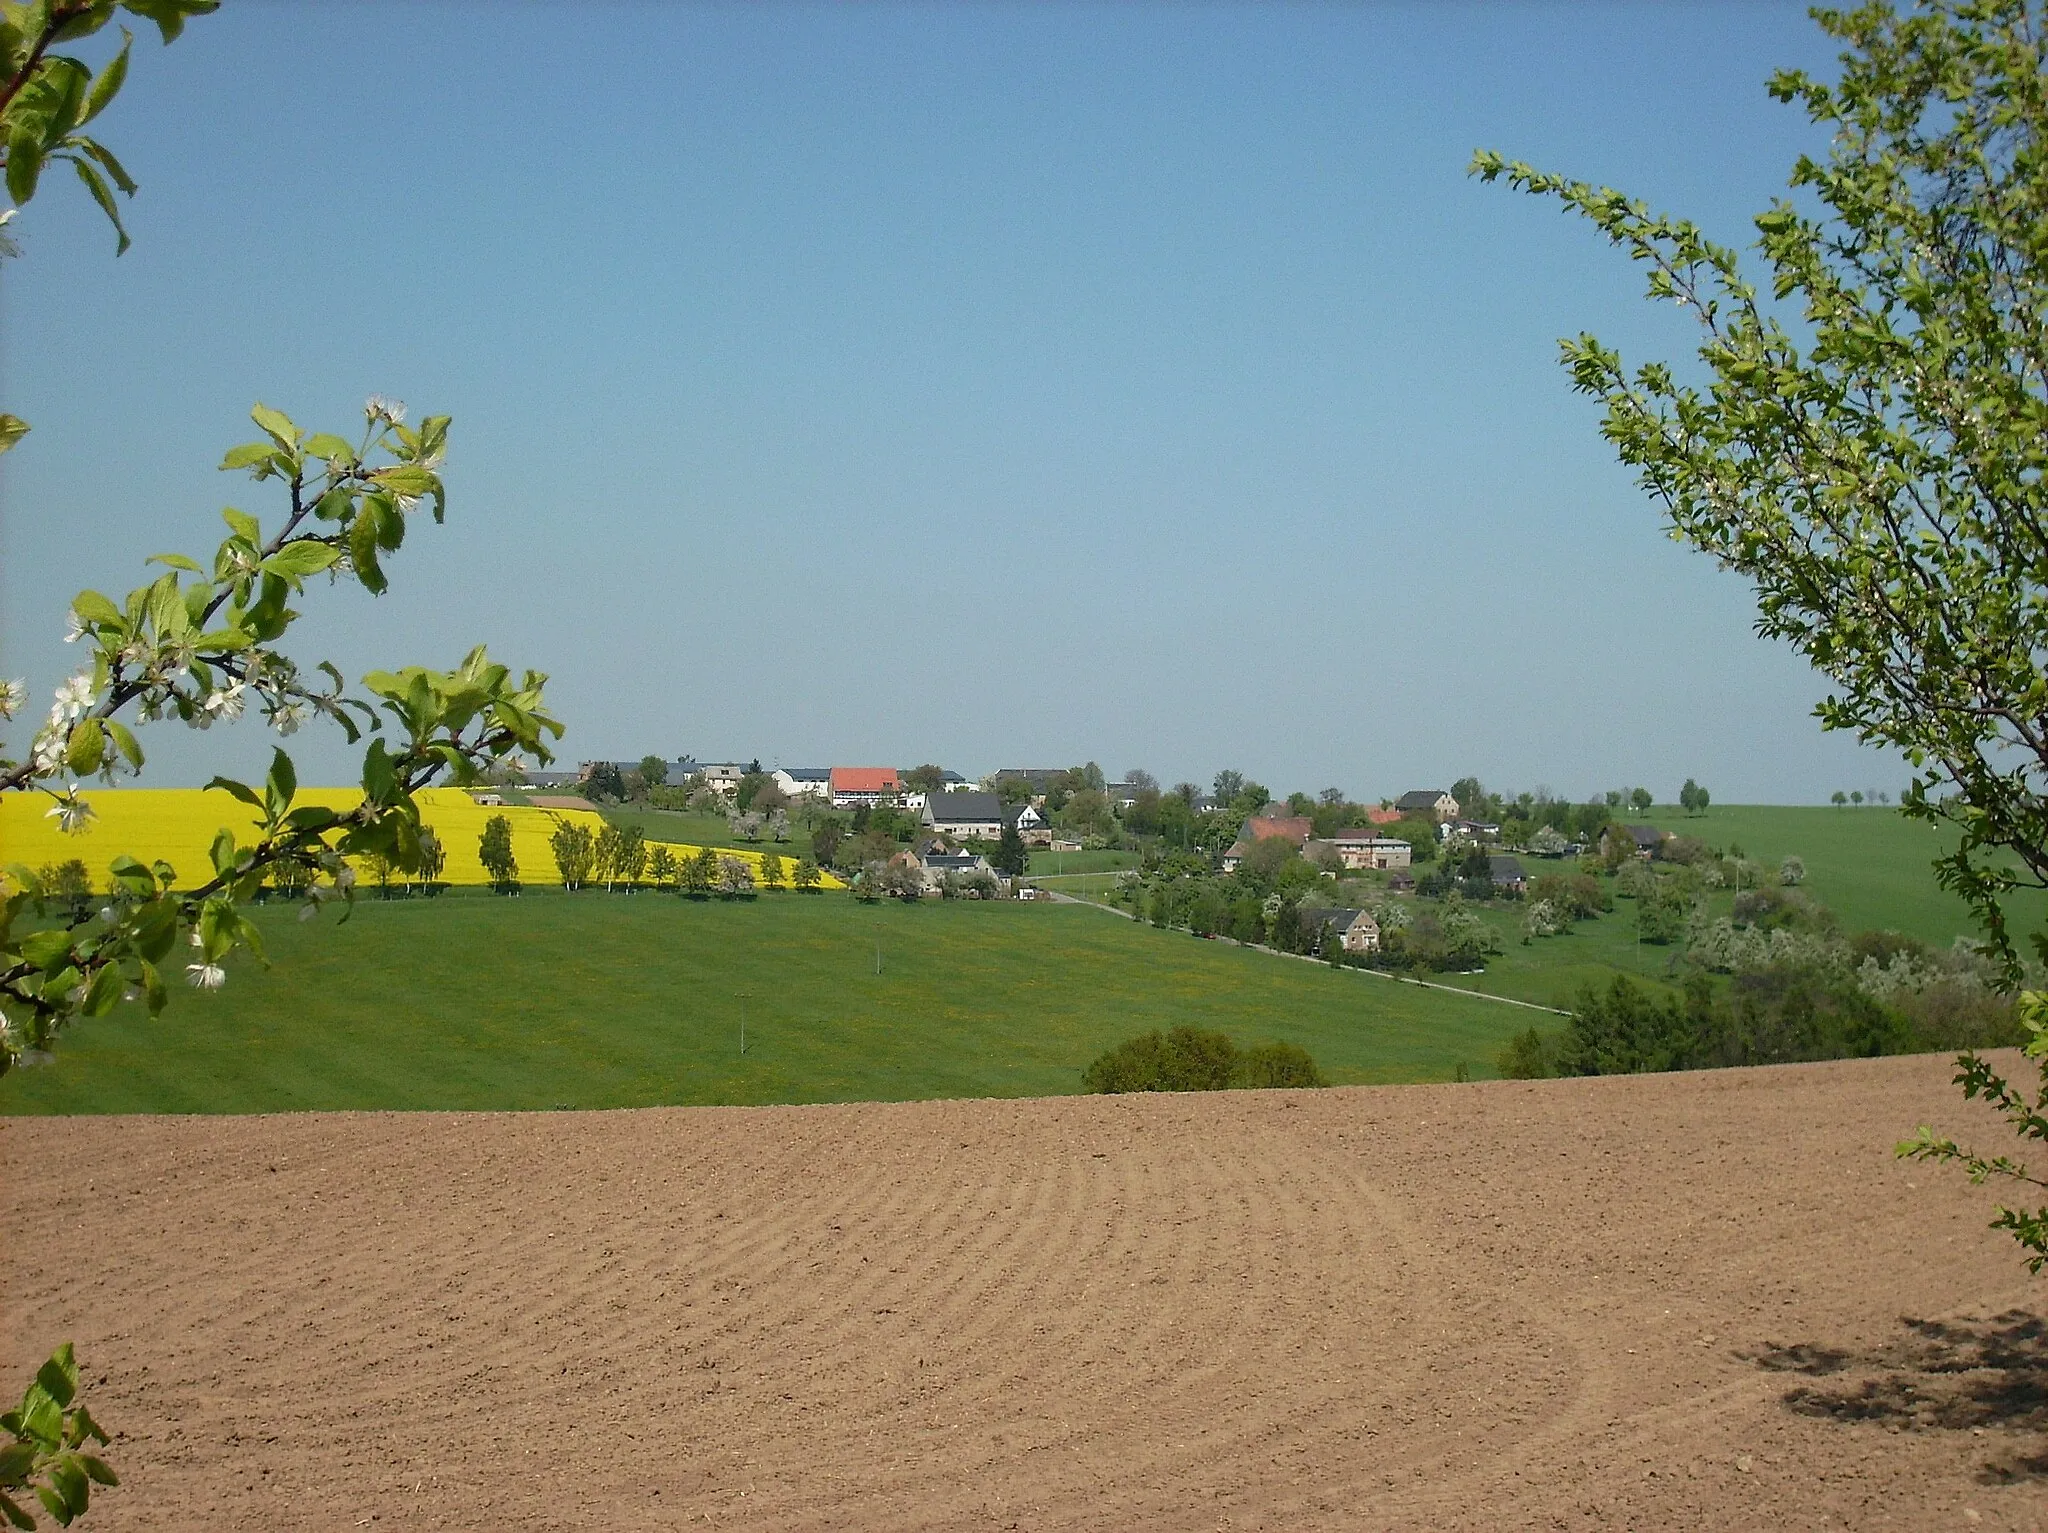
x,y
1278,1066
1193,1059
1526,1057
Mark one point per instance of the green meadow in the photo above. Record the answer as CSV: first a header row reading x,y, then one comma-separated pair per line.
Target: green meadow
x,y
1871,866
610,1000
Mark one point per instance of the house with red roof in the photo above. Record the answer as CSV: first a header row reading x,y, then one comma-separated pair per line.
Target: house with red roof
x,y
864,785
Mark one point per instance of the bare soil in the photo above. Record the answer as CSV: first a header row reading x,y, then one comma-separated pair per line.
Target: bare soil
x,y
1685,1301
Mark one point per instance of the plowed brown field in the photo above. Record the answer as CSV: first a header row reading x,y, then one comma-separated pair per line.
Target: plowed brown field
x,y
1687,1301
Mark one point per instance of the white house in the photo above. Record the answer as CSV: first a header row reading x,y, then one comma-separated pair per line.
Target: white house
x,y
804,782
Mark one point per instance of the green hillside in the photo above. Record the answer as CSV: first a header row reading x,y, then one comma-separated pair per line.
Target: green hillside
x,y
596,1000
1871,866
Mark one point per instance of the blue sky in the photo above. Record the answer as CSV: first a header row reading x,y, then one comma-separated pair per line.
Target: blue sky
x,y
995,385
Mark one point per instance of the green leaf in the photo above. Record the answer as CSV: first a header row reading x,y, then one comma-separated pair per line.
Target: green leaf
x,y
329,448
86,749
48,951
248,455
379,778
12,429
170,15
176,562
124,741
277,425
312,817
107,84
362,548
25,151
105,992
304,556
243,524
58,1377
92,607
99,1469
283,782
223,851
105,198
15,1516
240,790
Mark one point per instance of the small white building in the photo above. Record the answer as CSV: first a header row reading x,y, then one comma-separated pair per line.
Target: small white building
x,y
804,782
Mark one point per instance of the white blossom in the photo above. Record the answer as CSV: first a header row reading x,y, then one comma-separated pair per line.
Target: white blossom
x,y
205,976
75,698
74,628
225,702
12,695
377,407
48,755
286,718
74,816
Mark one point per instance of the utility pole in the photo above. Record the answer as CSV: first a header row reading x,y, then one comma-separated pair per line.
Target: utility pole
x,y
743,1021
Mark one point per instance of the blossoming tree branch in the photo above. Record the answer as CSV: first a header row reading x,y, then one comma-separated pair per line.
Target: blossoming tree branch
x,y
200,644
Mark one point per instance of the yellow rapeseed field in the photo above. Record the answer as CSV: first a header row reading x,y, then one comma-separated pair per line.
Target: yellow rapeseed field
x,y
178,826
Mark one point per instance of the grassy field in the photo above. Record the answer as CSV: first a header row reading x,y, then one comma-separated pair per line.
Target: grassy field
x,y
595,1000
702,829
1081,862
1870,866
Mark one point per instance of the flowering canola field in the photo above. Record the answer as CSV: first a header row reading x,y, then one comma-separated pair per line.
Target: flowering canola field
x,y
178,825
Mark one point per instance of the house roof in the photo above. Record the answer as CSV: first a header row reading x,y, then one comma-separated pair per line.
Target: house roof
x,y
1366,835
964,808
1288,827
1506,870
806,774
1645,835
1421,798
1339,918
961,862
1038,777
864,780
1383,816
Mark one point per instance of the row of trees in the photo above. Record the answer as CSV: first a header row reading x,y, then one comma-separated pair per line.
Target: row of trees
x,y
620,856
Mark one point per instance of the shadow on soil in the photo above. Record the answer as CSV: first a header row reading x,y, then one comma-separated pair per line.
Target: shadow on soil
x,y
1941,1376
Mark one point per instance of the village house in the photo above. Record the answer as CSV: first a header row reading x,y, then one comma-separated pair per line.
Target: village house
x,y
1033,826
1647,838
1430,801
804,782
719,776
1357,931
964,816
1361,847
1507,874
852,786
1269,823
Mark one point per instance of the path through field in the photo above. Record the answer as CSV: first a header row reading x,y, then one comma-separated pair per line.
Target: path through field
x,y
1699,1301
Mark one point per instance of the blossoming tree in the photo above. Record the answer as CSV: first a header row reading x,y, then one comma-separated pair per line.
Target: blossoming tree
x,y
201,643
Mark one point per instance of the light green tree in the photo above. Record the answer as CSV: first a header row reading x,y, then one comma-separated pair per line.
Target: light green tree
x,y
575,851
494,851
1868,441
